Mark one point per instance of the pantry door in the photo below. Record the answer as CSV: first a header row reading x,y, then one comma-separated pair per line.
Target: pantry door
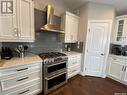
x,y
97,43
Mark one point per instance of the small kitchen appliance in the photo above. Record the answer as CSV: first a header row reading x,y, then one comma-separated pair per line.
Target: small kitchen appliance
x,y
6,53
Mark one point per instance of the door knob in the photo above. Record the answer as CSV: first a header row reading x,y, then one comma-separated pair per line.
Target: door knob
x,y
102,54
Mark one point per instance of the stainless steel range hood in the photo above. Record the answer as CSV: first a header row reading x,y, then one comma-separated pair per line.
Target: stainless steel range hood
x,y
50,26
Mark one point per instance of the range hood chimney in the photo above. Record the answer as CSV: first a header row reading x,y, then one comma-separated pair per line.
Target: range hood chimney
x,y
50,26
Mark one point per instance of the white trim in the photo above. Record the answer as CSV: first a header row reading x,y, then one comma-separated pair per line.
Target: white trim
x,y
108,43
82,74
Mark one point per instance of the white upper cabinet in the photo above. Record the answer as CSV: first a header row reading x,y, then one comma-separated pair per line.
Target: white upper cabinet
x,y
19,26
120,29
8,23
26,21
70,24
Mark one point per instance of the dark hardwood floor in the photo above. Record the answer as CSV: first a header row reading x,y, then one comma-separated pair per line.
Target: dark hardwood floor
x,y
79,85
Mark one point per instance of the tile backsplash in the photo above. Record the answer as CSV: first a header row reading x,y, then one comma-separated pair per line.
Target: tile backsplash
x,y
45,42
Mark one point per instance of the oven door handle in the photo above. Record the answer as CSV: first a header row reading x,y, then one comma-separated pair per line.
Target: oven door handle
x,y
56,76
57,64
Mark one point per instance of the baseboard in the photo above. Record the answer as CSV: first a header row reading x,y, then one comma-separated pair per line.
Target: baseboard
x,y
82,74
104,76
116,80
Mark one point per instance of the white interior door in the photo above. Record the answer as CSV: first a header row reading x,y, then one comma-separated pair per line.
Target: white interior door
x,y
97,40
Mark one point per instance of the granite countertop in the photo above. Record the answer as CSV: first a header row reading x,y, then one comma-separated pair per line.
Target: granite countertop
x,y
20,61
118,56
71,53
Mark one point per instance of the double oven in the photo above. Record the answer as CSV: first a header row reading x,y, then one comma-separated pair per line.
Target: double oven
x,y
55,75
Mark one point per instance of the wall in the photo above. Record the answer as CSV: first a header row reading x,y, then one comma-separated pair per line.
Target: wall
x,y
58,5
93,11
98,11
83,21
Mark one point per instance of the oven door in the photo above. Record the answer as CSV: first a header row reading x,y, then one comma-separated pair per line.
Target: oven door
x,y
52,68
55,82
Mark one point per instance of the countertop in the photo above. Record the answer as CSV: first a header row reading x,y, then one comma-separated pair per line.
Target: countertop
x,y
20,61
71,53
118,56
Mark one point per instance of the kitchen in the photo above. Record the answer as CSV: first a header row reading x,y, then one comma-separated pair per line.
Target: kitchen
x,y
63,47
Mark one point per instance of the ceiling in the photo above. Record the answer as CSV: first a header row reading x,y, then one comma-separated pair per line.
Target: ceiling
x,y
120,5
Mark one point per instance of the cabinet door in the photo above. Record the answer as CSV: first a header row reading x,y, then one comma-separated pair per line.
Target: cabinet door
x,y
71,28
120,36
115,69
26,19
68,29
8,24
74,28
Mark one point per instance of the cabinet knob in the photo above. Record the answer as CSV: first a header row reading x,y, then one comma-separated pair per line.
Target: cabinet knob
x,y
15,32
19,34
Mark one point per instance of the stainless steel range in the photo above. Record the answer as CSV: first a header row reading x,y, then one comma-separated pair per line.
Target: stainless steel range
x,y
54,70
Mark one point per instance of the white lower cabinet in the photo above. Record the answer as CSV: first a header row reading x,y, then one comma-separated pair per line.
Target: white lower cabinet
x,y
117,69
21,80
74,65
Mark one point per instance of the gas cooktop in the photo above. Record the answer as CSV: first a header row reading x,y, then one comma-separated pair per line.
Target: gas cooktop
x,y
52,57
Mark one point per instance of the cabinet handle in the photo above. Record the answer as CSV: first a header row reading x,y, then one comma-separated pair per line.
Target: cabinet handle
x,y
123,68
115,59
23,79
22,69
24,92
74,71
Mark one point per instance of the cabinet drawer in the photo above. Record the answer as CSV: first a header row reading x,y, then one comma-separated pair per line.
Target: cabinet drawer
x,y
28,91
73,71
19,70
74,57
73,63
20,80
117,59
